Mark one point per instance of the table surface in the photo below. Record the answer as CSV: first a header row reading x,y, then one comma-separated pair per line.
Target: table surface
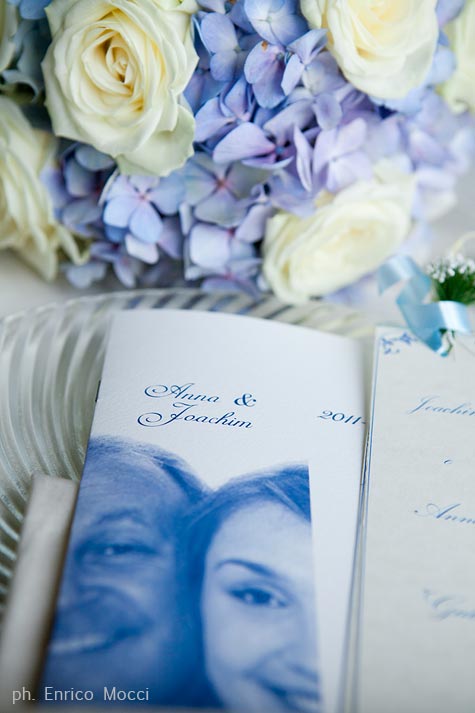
x,y
22,289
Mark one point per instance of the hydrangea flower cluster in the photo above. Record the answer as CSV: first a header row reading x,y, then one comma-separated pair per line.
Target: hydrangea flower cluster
x,y
278,129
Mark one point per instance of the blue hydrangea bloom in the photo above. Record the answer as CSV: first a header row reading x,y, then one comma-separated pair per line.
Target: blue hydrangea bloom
x,y
76,187
31,9
135,211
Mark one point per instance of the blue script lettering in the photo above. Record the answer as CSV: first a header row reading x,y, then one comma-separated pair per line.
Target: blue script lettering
x,y
246,400
430,403
183,392
186,413
445,513
448,606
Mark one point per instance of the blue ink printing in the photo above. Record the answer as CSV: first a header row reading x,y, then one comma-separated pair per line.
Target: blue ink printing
x,y
445,513
431,403
201,598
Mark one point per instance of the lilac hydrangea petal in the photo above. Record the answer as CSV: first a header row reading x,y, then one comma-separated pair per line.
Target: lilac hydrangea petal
x,y
245,141
221,284
443,66
303,159
282,124
79,182
32,9
223,65
264,69
83,276
127,270
103,250
268,163
209,246
119,187
93,160
81,211
259,61
411,104
275,20
221,208
426,149
218,33
323,75
185,215
115,235
309,44
171,238
258,13
292,74
199,178
462,148
350,137
328,111
52,179
242,258
241,179
168,195
238,99
239,17
324,150
448,9
384,138
287,28
270,94
252,228
209,120
145,223
146,252
288,194
143,184
201,88
344,171
118,211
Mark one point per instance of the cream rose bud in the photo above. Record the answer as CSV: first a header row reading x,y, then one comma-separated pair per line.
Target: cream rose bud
x,y
349,235
459,90
8,27
384,47
27,222
115,73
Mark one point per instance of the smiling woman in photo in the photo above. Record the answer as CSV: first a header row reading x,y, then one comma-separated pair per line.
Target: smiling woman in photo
x,y
251,563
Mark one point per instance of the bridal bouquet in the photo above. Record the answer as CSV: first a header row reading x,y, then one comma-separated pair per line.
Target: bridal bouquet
x,y
248,144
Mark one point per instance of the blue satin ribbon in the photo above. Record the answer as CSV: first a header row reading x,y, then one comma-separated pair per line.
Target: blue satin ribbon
x,y
428,321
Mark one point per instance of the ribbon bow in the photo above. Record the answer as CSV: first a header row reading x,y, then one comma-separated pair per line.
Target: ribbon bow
x,y
428,321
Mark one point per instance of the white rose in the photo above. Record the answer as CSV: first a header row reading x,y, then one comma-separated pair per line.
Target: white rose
x,y
349,235
27,222
114,75
459,90
8,27
384,47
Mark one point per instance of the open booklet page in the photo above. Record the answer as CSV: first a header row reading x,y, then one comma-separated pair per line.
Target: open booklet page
x,y
417,625
211,552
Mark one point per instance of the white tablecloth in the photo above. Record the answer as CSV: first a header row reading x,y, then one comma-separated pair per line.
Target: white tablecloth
x,y
21,289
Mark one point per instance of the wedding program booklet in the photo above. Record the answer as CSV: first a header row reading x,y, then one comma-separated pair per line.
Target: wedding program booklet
x,y
211,553
417,627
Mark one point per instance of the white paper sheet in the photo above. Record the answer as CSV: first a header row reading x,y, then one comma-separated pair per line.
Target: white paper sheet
x,y
232,396
417,635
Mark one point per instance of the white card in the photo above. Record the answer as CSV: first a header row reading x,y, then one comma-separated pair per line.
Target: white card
x,y
417,625
261,623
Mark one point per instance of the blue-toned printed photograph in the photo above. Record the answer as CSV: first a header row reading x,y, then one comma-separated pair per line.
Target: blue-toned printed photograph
x,y
176,594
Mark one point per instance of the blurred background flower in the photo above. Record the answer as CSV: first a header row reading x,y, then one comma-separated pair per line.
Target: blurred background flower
x,y
289,125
